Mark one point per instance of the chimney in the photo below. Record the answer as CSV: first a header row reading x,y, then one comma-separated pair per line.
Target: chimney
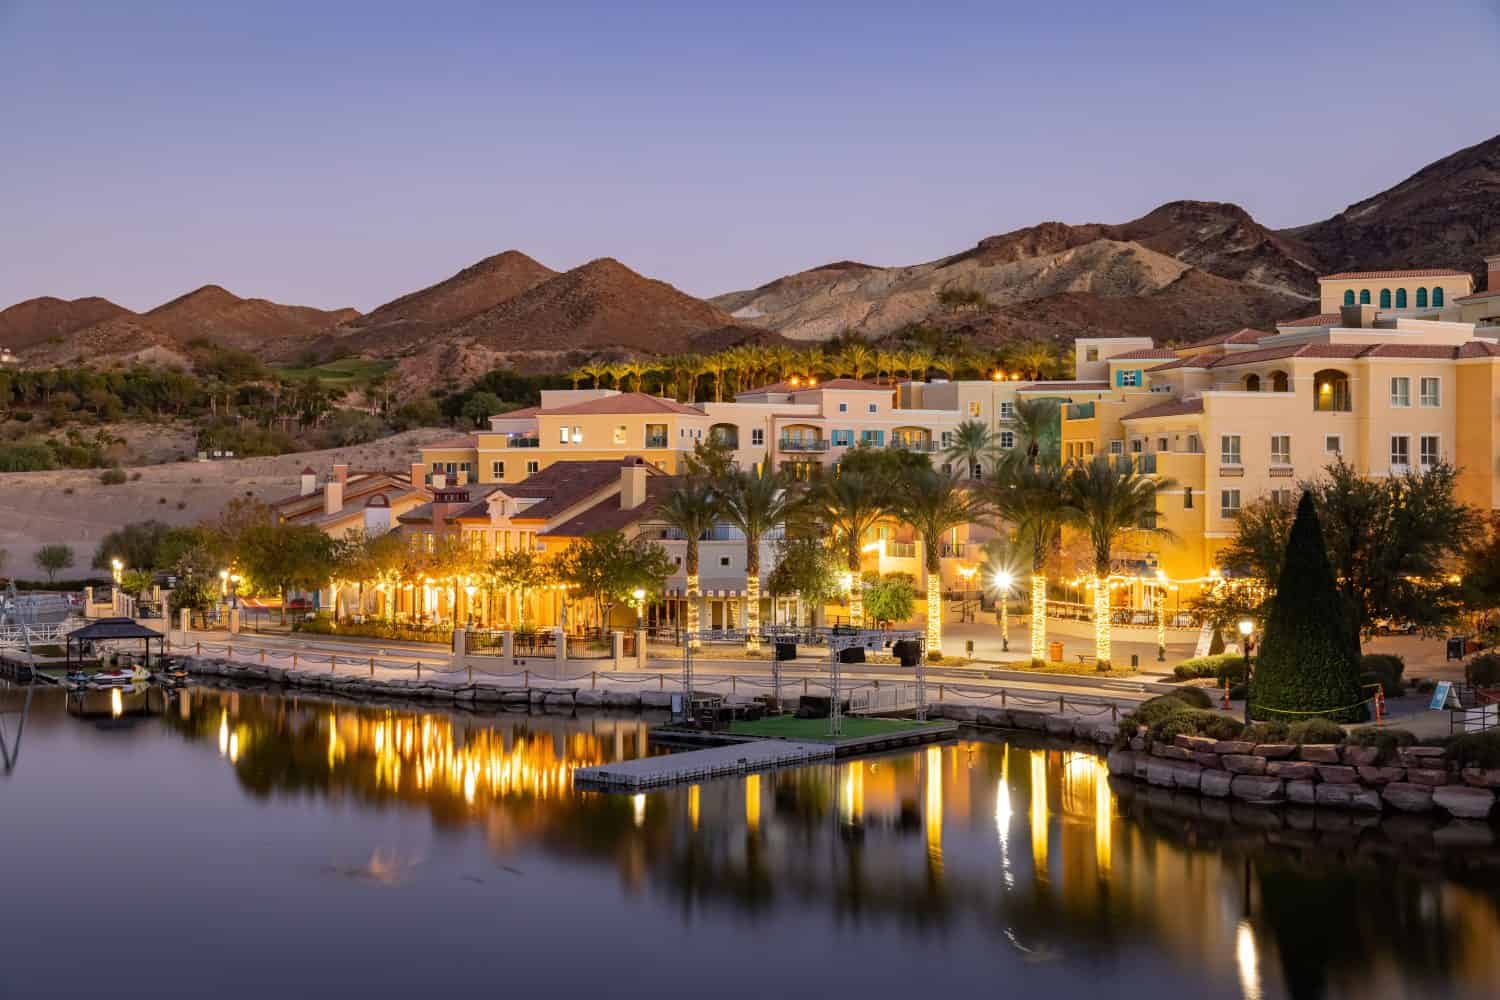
x,y
632,483
418,475
341,473
377,515
309,482
1492,283
333,496
1358,317
461,477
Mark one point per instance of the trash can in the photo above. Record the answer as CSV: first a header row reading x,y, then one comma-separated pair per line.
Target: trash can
x,y
1457,644
1054,652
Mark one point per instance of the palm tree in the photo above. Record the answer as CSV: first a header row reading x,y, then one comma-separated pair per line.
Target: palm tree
x,y
849,504
972,446
1112,499
948,364
1032,499
713,365
691,508
1034,359
916,362
755,503
935,503
856,359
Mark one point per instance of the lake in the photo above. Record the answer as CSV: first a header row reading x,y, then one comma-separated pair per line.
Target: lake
x,y
224,843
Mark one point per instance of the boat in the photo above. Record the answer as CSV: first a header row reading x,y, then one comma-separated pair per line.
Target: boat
x,y
79,679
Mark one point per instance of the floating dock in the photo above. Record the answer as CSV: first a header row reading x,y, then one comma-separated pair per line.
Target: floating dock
x,y
698,765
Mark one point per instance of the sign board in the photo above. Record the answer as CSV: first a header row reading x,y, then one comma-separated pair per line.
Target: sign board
x,y
1205,640
1441,695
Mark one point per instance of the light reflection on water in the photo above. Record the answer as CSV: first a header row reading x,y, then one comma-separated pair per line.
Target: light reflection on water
x,y
974,858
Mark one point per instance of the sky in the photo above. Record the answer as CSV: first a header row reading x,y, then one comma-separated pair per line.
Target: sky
x,y
343,153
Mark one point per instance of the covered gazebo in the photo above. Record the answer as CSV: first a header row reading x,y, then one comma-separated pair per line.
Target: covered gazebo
x,y
111,630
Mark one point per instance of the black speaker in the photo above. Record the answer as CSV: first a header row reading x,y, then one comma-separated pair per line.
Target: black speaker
x,y
854,654
786,651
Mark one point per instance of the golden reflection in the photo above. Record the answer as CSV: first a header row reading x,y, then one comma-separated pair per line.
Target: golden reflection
x,y
933,813
1039,813
234,747
223,733
852,795
116,703
752,802
638,808
694,795
1247,960
1103,818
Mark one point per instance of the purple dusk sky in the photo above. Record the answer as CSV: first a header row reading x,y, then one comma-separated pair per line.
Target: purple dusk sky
x,y
342,153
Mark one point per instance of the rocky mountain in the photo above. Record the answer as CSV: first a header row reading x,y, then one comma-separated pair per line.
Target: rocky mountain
x,y
1445,215
37,321
268,328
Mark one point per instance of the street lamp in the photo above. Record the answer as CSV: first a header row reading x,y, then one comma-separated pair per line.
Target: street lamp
x,y
1003,580
223,583
1246,627
118,568
640,602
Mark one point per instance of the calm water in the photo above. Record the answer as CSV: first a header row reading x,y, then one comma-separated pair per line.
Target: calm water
x,y
246,845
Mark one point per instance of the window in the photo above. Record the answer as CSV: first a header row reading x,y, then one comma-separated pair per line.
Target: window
x,y
973,407
1364,297
1007,409
1229,449
1195,447
1421,298
562,435
1432,391
497,470
1161,444
1117,447
723,560
1136,446
947,439
656,435
1400,298
1400,451
1437,298
533,467
757,436
874,407
1187,498
1333,444
1252,383
1129,378
1091,354
842,439
1400,391
1229,503
1349,297
1282,497
1279,382
873,439
1007,439
619,433
1385,298
1281,449
1428,453
843,407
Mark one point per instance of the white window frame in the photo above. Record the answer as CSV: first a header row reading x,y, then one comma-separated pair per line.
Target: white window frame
x,y
562,434
1007,409
1130,378
1228,456
533,466
1007,439
1338,444
757,436
1117,447
1282,457
1401,391
843,407
874,407
1437,450
497,470
1225,510
1403,451
1435,398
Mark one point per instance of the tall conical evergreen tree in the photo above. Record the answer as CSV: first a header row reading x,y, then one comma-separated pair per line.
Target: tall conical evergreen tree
x,y
1307,660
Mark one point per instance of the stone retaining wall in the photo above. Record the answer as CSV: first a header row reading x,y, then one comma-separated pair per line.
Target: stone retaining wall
x,y
1420,779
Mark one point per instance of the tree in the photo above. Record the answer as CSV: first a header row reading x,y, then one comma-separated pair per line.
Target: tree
x,y
609,569
521,571
480,406
691,508
806,567
1308,660
136,545
52,558
1112,499
1034,359
1253,560
755,503
278,558
1038,430
890,598
849,504
972,447
935,503
1033,500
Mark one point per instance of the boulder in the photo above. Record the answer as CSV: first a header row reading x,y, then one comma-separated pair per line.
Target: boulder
x,y
1173,774
1320,753
1406,797
1103,733
1465,802
1121,762
1233,746
1432,777
990,716
1215,783
1244,763
1347,796
589,699
1024,719
1138,743
1059,726
1380,775
1481,777
1361,756
656,699
1195,743
1170,752
1301,791
622,699
1275,751
1292,770
514,697
958,713
1208,759
485,693
1252,788
1338,774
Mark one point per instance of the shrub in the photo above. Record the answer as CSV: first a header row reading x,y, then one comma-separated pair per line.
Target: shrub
x,y
1387,669
113,476
1169,716
1195,697
1315,731
1212,666
1484,670
1476,749
1387,740
1267,732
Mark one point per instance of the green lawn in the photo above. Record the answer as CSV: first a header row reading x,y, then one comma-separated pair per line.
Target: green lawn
x,y
344,371
788,727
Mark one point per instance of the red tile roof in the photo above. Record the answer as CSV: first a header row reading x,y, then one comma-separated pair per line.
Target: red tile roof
x,y
1143,354
1486,294
608,515
564,484
1244,335
1195,361
1428,272
844,384
1480,349
627,402
1059,386
1322,319
1170,408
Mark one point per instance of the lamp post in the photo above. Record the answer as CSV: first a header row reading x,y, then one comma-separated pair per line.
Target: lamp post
x,y
639,594
118,568
1003,581
1246,627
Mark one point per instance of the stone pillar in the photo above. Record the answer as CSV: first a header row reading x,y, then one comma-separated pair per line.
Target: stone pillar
x,y
185,618
460,643
616,647
640,649
508,645
562,646
234,621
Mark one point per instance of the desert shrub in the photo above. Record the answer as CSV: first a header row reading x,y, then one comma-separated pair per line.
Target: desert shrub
x,y
1484,670
1195,697
1218,667
1267,732
1387,669
112,476
1476,749
1387,740
1315,731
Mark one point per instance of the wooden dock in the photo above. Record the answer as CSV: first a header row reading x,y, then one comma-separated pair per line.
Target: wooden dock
x,y
699,765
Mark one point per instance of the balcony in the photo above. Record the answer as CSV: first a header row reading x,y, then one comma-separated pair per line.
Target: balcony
x,y
656,440
952,550
1079,411
925,447
523,442
802,444
1281,471
1145,463
900,550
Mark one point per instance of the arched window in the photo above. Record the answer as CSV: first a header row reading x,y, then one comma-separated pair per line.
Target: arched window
x,y
1400,298
1421,298
1437,296
1349,297
1280,382
1331,391
1385,298
1252,383
1364,296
